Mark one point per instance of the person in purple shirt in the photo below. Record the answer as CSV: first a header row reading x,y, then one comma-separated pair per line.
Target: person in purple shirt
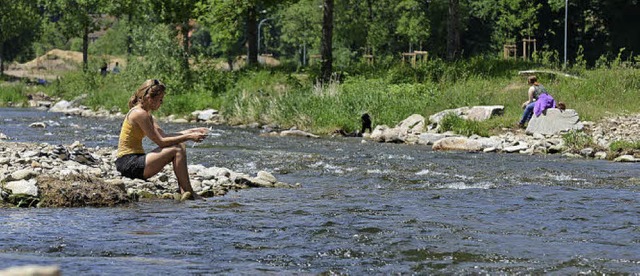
x,y
534,92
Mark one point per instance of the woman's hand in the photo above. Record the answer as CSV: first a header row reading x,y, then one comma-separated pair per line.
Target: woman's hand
x,y
197,136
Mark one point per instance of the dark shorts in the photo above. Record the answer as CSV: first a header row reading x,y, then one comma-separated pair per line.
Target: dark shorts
x,y
131,165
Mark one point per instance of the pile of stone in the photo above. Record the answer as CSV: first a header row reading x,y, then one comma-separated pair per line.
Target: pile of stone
x,y
543,134
81,176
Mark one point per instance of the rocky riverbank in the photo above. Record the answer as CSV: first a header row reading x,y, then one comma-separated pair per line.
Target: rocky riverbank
x,y
562,134
46,175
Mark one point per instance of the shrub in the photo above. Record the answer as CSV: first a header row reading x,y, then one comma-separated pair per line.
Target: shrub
x,y
624,145
577,140
452,122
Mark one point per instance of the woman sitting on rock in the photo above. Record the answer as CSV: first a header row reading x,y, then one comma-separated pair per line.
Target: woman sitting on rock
x,y
132,161
534,92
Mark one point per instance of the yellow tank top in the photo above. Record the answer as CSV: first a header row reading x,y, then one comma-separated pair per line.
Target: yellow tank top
x,y
130,138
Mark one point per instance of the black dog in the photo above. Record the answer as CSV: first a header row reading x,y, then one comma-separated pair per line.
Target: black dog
x,y
366,123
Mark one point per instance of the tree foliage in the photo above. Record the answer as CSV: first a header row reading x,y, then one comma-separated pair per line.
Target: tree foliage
x,y
18,28
384,28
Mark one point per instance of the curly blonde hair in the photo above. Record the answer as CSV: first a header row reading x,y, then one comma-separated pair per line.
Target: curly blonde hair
x,y
152,87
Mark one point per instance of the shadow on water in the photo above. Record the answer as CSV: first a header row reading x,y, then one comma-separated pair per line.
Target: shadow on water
x,y
363,208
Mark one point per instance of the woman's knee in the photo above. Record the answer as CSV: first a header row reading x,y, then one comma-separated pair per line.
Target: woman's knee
x,y
179,149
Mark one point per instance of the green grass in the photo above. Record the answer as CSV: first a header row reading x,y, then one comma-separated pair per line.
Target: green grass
x,y
622,145
13,93
389,93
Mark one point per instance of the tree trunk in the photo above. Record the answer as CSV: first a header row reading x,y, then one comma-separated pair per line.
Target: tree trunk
x,y
129,33
252,36
185,43
1,61
85,48
230,62
453,30
327,37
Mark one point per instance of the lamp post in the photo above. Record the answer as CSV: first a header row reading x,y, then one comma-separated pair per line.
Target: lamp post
x,y
259,27
566,13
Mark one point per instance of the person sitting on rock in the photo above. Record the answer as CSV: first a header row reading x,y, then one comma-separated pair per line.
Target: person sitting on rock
x,y
544,102
132,161
534,91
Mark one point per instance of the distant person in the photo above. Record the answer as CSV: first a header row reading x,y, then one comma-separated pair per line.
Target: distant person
x,y
533,93
116,69
132,160
103,69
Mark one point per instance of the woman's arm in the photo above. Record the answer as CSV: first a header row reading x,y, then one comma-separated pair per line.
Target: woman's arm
x,y
152,130
530,94
532,90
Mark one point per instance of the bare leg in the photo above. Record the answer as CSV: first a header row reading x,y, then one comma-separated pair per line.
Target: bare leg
x,y
160,157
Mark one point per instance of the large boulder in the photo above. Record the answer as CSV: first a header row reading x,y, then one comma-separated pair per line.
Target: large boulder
x,y
477,113
457,143
554,121
27,187
407,131
382,133
429,138
205,115
473,143
484,112
31,270
60,106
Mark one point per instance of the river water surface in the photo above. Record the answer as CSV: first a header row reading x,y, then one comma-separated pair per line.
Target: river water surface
x,y
363,208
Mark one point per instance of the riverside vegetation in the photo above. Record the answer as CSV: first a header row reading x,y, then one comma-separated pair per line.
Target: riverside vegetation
x,y
388,92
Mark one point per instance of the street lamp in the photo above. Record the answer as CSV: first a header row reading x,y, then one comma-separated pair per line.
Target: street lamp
x,y
566,13
259,26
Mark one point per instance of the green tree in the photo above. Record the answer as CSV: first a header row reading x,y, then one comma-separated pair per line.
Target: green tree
x,y
513,18
130,10
19,23
78,18
301,26
179,14
413,23
225,20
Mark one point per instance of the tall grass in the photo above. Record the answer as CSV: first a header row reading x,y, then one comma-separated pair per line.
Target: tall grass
x,y
13,94
389,93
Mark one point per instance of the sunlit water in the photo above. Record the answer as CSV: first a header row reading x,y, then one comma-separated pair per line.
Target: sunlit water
x,y
363,209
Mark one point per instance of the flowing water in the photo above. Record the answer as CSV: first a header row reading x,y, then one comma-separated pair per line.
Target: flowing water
x,y
363,208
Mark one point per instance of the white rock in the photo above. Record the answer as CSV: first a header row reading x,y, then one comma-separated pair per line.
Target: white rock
x,y
295,132
31,270
23,174
60,106
23,187
626,158
554,121
267,176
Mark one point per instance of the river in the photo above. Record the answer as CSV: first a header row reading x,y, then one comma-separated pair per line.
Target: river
x,y
363,208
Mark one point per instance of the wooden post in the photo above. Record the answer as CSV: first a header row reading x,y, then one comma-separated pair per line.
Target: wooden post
x,y
369,59
423,55
525,44
509,51
411,57
313,58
